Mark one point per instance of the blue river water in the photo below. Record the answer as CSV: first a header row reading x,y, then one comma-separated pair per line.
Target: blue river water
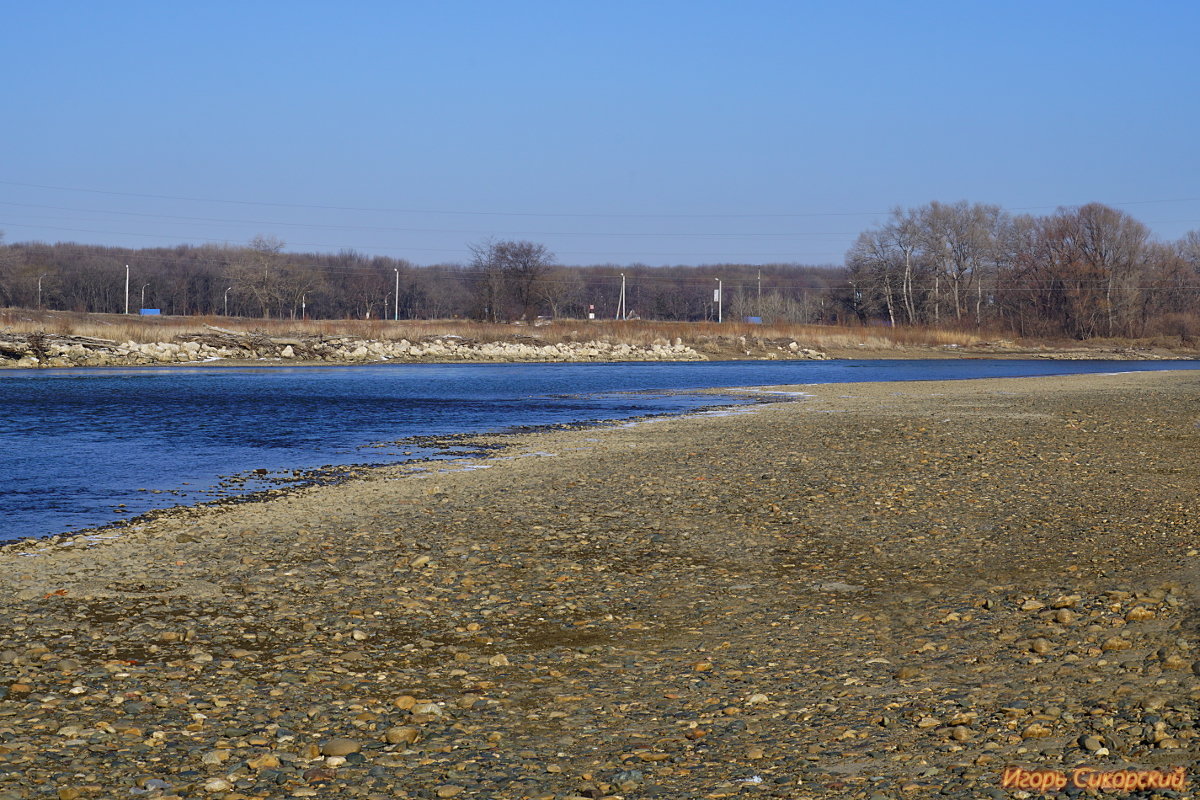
x,y
87,447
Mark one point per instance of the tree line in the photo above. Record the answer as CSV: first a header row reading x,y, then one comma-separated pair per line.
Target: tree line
x,y
503,281
1090,271
1081,272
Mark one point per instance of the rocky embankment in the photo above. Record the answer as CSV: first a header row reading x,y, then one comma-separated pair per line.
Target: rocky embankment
x,y
878,592
52,350
74,351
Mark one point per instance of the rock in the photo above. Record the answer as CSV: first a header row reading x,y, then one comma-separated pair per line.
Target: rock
x,y
1036,730
1174,661
837,586
265,761
340,747
1116,643
448,790
217,785
213,757
405,734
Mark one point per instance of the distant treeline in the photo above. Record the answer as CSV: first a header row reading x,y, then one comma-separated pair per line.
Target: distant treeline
x,y
1081,272
505,281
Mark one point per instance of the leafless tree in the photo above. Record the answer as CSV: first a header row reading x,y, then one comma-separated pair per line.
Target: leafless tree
x,y
508,277
255,271
960,239
561,290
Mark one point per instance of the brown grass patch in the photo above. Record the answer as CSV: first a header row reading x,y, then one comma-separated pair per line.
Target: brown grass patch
x,y
122,328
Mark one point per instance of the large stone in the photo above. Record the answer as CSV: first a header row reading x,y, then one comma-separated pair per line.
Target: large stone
x,y
339,747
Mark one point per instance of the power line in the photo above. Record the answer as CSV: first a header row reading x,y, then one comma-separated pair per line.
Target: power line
x,y
447,212
638,253
596,215
396,229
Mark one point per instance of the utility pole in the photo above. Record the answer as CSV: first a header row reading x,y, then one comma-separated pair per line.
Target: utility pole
x,y
226,300
303,306
718,298
760,294
621,303
126,288
396,308
143,301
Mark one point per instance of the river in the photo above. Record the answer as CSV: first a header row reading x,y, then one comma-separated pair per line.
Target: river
x,y
87,447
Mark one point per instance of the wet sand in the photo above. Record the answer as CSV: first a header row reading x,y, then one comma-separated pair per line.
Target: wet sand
x,y
877,591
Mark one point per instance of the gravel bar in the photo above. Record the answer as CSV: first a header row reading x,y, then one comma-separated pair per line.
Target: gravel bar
x,y
874,591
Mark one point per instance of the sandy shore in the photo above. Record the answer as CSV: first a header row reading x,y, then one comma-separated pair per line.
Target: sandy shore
x,y
878,591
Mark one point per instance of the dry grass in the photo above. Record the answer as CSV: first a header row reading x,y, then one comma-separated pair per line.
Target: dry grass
x,y
149,329
638,332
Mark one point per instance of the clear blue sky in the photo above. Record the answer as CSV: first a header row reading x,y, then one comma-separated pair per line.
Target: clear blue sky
x,y
654,132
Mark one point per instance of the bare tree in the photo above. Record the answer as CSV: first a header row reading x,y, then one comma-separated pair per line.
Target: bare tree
x,y
508,277
561,290
255,272
8,261
876,273
961,240
1189,249
1080,270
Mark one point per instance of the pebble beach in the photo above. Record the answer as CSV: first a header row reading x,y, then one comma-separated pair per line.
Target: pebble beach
x,y
876,591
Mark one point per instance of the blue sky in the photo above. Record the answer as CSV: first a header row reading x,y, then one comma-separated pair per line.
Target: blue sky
x,y
616,132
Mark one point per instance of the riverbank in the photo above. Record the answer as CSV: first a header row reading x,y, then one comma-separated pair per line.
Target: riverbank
x,y
62,339
880,590
232,348
220,346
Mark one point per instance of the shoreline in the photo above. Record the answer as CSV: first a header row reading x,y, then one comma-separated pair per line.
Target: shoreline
x,y
880,589
336,474
490,444
832,354
339,473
